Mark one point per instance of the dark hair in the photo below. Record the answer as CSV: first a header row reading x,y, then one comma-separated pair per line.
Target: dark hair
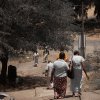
x,y
49,61
76,52
62,55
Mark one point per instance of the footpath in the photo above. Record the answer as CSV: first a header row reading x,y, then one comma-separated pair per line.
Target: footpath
x,y
41,93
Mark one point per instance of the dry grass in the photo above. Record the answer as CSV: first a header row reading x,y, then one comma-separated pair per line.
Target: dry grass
x,y
94,80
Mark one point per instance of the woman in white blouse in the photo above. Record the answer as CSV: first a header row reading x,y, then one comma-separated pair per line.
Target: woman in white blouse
x,y
59,76
78,66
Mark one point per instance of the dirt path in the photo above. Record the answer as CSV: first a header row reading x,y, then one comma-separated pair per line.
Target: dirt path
x,y
41,93
28,68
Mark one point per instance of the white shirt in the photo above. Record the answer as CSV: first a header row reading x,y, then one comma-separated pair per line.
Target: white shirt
x,y
61,68
77,59
36,55
49,68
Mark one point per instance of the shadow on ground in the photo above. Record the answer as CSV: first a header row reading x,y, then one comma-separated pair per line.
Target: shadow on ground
x,y
23,83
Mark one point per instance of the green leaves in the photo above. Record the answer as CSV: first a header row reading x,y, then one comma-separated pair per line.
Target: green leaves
x,y
35,21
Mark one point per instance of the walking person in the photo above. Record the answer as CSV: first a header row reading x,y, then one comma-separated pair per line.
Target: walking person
x,y
78,66
45,54
48,71
35,57
59,76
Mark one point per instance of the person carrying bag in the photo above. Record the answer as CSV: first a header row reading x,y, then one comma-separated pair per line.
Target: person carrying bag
x,y
77,67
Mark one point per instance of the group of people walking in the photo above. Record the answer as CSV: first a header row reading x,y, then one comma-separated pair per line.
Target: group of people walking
x,y
36,56
58,72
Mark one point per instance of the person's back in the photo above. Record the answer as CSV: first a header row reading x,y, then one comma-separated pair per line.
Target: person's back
x,y
78,66
59,76
77,60
61,68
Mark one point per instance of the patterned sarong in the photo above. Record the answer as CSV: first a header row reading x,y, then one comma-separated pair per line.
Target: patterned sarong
x,y
60,85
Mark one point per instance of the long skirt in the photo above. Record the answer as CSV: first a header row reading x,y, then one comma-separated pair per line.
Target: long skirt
x,y
76,83
60,85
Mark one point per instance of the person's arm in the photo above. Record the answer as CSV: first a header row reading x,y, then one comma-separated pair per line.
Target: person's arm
x,y
83,66
52,75
67,66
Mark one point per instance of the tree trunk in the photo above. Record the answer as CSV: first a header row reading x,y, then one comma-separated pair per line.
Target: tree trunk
x,y
4,62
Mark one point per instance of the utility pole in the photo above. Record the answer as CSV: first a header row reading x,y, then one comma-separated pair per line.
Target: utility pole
x,y
82,38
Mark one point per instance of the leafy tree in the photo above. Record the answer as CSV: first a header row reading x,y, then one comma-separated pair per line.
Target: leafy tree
x,y
97,3
89,23
28,22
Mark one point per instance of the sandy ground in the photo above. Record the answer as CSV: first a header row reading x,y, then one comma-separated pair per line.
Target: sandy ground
x,y
41,93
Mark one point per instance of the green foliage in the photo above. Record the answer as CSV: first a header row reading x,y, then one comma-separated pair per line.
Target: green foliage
x,y
89,24
36,21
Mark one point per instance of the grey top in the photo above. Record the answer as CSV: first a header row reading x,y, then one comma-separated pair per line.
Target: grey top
x,y
60,67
